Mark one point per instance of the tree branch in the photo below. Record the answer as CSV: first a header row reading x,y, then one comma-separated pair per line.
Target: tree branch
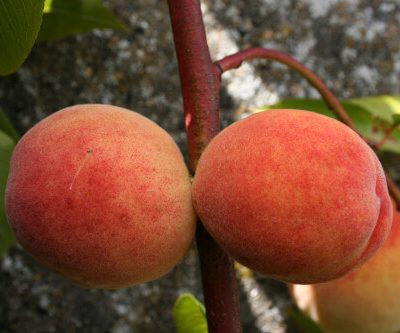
x,y
200,85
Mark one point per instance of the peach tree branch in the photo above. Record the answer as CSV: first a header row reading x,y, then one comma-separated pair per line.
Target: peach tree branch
x,y
200,84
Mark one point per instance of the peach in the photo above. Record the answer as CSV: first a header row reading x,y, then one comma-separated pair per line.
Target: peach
x,y
293,195
101,195
365,301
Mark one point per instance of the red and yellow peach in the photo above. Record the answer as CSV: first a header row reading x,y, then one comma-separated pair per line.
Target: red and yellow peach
x,y
101,195
293,195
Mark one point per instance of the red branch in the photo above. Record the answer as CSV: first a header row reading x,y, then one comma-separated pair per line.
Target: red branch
x,y
200,89
199,82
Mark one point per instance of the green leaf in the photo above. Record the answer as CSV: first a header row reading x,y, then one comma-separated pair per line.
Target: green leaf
x,y
190,315
6,235
69,17
7,127
305,323
381,107
19,26
371,115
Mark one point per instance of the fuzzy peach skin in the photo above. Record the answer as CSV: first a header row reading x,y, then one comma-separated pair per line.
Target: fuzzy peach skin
x,y
101,195
365,301
293,195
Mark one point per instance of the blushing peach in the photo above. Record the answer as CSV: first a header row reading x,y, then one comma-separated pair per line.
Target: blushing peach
x,y
101,195
365,301
294,195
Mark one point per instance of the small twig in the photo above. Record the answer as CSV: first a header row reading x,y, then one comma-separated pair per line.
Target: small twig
x,y
388,134
235,60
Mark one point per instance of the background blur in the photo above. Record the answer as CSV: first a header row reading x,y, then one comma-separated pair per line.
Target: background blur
x,y
353,45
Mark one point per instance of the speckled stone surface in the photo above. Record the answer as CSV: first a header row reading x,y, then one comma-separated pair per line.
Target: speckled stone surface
x,y
353,45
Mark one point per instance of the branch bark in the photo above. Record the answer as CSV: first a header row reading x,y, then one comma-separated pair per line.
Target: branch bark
x,y
200,84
